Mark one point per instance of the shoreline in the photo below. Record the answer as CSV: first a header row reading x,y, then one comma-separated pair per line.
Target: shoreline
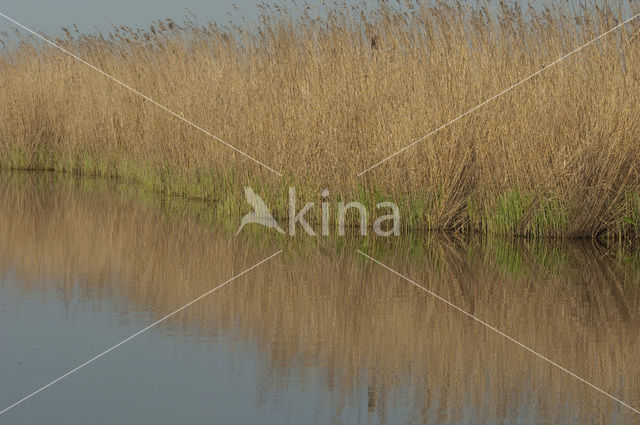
x,y
232,204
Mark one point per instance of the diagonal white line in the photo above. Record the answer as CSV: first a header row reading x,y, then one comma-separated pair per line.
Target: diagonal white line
x,y
136,334
494,97
450,304
164,108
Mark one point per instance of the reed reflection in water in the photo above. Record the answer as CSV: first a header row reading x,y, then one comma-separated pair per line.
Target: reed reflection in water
x,y
363,344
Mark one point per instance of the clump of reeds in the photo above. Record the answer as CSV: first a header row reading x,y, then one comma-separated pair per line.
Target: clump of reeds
x,y
322,96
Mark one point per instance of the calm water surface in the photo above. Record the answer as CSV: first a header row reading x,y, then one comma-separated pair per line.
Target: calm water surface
x,y
318,334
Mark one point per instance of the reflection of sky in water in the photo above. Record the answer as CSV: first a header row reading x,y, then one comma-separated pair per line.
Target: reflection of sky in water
x,y
308,338
161,377
164,377
153,379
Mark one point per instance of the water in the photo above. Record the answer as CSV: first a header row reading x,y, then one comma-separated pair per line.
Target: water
x,y
319,334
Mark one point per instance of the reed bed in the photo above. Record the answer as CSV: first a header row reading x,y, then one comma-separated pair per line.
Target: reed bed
x,y
321,96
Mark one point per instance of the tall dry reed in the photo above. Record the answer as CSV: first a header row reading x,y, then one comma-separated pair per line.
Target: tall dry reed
x,y
322,96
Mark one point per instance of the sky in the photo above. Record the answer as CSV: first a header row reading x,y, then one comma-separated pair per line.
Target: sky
x,y
51,15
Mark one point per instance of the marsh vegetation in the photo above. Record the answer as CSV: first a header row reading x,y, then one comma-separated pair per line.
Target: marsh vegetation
x,y
321,96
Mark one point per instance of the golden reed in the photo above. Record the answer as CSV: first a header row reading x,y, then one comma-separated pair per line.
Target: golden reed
x,y
322,96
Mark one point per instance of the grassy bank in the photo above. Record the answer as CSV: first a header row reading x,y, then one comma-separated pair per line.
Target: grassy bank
x,y
321,97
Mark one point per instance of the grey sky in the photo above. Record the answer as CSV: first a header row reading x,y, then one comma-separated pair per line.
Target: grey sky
x,y
51,15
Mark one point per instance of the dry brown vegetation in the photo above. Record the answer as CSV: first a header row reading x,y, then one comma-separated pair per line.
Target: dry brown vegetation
x,y
322,98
